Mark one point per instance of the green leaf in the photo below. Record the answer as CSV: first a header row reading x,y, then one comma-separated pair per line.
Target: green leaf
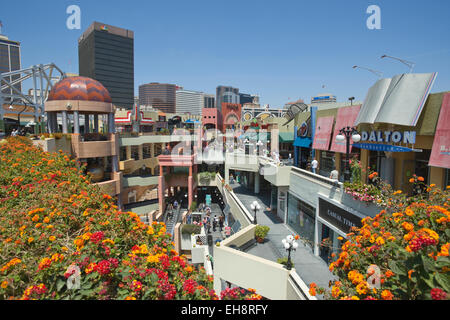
x,y
442,262
397,268
60,284
443,280
428,265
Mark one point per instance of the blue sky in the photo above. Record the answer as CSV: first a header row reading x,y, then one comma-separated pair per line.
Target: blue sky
x,y
279,49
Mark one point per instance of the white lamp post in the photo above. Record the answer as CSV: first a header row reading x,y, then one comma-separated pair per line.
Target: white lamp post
x,y
255,207
289,244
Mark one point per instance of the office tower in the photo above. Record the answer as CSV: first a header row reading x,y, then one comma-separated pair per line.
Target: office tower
x,y
106,54
10,61
159,95
209,101
189,102
226,94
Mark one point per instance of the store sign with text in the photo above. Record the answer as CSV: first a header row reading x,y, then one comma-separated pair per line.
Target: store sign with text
x,y
337,216
406,137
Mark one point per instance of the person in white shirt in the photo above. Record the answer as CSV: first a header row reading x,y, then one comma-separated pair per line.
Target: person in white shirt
x,y
314,165
334,175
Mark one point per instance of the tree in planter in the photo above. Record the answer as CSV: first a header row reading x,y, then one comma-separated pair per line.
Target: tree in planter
x,y
261,232
284,261
193,206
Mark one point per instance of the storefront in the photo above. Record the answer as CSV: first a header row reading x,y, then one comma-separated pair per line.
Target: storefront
x,y
333,220
301,218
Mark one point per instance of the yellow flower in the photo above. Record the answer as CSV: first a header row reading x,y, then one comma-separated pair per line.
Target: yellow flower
x,y
52,238
46,220
380,241
4,284
30,239
362,288
152,259
130,298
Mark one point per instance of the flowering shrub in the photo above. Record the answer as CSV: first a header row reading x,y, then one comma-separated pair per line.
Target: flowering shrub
x,y
239,294
378,192
399,255
57,230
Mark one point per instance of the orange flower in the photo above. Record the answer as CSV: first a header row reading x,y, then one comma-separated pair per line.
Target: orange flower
x,y
407,226
409,274
52,238
389,273
312,289
412,180
444,250
421,179
386,295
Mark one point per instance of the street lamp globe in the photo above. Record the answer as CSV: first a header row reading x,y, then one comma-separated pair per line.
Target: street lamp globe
x,y
356,137
340,138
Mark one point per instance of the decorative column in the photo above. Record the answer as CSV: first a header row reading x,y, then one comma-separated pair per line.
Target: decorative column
x,y
296,149
76,122
64,122
256,182
128,150
161,187
96,123
140,152
190,188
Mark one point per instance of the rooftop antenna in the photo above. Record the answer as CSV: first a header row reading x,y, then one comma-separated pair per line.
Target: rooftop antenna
x,y
410,64
377,73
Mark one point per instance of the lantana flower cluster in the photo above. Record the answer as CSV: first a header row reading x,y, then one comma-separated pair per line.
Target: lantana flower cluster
x,y
56,227
402,253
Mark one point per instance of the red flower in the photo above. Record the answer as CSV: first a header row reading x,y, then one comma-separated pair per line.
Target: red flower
x,y
189,286
103,267
96,237
438,294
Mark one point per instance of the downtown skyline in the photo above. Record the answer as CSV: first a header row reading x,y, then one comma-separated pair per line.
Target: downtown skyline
x,y
282,52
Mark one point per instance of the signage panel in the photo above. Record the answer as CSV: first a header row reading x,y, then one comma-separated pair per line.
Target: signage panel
x,y
337,216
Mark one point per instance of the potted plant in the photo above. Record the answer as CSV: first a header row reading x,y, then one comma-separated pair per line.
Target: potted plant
x,y
261,233
283,261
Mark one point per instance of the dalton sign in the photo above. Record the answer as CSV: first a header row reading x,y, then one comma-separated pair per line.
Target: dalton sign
x,y
406,137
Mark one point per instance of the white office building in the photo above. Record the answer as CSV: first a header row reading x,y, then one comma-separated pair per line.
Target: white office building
x,y
189,102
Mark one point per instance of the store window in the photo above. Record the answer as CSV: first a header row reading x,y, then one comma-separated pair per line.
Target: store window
x,y
135,152
146,151
301,218
123,153
327,163
447,178
421,166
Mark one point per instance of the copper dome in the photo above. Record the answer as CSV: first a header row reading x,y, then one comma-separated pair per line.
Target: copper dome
x,y
79,88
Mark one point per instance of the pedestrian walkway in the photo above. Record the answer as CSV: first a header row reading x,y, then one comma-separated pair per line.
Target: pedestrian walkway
x,y
308,266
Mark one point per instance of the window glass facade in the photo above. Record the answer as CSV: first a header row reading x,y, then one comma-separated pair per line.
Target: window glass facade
x,y
301,218
327,163
146,151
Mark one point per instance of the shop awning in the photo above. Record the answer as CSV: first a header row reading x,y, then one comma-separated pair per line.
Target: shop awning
x,y
345,118
322,136
382,147
303,142
440,153
286,137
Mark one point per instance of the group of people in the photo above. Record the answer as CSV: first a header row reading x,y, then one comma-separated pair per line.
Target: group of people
x,y
17,132
334,174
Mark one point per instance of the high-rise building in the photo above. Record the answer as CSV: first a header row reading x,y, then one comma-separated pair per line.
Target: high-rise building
x,y
209,101
189,101
106,54
160,96
226,94
10,60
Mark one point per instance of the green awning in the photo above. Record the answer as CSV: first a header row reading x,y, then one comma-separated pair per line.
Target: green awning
x,y
286,137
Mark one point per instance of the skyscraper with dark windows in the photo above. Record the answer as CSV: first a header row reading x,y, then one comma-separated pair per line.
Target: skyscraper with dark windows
x,y
226,94
161,96
10,60
106,54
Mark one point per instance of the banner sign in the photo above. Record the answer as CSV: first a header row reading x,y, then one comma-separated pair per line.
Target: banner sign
x,y
337,216
382,147
440,153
